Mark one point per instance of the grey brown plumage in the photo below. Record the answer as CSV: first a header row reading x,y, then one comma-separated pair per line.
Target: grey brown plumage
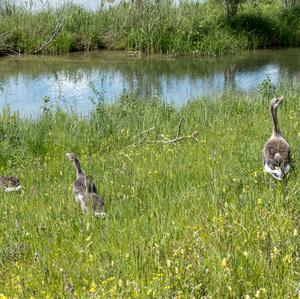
x,y
10,183
80,185
92,200
276,152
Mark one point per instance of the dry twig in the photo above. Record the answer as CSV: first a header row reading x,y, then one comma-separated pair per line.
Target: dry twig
x,y
146,132
165,140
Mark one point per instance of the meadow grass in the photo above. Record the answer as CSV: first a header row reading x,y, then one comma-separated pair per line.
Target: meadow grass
x,y
192,28
191,219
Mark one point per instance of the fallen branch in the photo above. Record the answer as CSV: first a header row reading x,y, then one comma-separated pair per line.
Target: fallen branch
x,y
146,132
176,139
143,132
164,139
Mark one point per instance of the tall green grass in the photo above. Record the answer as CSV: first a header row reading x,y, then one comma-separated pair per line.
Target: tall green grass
x,y
156,27
191,219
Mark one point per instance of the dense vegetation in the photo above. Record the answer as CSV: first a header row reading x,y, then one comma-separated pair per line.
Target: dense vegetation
x,y
152,26
184,219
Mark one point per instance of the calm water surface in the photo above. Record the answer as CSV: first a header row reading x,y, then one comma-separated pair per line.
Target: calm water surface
x,y
67,79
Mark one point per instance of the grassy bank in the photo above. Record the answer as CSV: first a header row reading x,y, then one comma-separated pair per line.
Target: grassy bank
x,y
186,219
156,27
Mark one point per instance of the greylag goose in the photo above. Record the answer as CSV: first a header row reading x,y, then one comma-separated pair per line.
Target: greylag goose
x,y
79,186
10,183
276,152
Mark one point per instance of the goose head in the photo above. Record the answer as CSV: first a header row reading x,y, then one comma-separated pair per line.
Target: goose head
x,y
71,156
276,102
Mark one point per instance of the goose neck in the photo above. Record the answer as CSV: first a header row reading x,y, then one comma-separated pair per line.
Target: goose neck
x,y
79,171
275,129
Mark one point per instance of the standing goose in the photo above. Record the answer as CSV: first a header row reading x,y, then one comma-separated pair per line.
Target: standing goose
x,y
79,186
10,183
276,152
92,200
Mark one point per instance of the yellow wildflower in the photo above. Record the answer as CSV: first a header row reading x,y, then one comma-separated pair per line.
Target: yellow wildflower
x,y
120,283
168,263
93,288
260,292
287,259
224,262
275,252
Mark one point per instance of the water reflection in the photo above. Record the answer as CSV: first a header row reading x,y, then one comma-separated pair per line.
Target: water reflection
x,y
24,80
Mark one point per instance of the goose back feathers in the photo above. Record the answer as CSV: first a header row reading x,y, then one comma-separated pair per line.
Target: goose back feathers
x,y
276,152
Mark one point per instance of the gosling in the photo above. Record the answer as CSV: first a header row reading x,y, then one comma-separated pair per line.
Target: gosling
x,y
10,183
79,188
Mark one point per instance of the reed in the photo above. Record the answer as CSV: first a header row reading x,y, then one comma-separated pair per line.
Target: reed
x,y
155,27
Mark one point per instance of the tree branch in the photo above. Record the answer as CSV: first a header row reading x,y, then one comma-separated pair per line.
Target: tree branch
x,y
164,140
146,132
176,139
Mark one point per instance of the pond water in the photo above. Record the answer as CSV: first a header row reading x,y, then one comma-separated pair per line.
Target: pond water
x,y
70,80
